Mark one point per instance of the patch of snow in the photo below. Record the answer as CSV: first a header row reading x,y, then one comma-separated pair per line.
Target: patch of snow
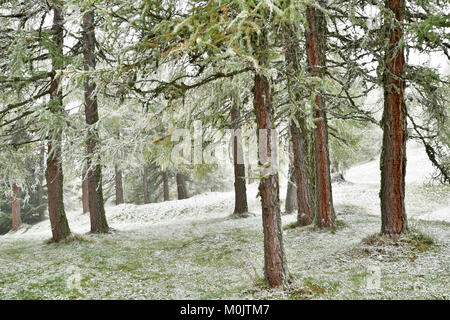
x,y
418,167
442,214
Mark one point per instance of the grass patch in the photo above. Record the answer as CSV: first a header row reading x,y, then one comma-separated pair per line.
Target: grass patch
x,y
418,240
339,224
413,238
291,225
71,238
308,290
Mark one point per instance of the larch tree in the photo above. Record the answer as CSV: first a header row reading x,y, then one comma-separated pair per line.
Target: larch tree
x,y
94,170
54,171
315,48
393,155
275,267
41,47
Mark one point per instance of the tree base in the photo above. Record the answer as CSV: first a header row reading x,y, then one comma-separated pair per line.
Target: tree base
x,y
242,215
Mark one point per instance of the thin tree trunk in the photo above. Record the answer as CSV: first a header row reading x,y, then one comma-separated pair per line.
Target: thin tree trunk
x,y
15,208
94,174
311,164
291,203
165,186
393,156
54,171
181,187
84,192
118,184
118,175
39,189
304,212
315,52
240,191
275,268
145,185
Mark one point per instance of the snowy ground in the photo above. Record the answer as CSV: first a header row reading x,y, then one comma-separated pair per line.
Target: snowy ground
x,y
193,249
423,200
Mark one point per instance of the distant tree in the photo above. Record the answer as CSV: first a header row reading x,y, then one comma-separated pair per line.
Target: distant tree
x,y
181,186
145,184
165,186
291,203
240,192
16,219
84,191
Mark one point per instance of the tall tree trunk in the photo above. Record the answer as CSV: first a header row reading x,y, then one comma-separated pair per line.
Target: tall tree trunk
x,y
84,191
299,136
275,267
393,156
291,203
240,191
94,174
15,208
249,174
165,186
145,184
181,187
54,171
315,43
118,184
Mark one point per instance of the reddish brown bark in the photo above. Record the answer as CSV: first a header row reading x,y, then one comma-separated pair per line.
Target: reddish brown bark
x,y
274,260
393,156
240,191
94,174
15,208
325,211
54,172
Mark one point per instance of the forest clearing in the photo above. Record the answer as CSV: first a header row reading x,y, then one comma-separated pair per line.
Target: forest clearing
x,y
194,249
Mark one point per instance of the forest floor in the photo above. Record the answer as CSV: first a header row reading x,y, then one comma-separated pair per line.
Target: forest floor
x,y
194,249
